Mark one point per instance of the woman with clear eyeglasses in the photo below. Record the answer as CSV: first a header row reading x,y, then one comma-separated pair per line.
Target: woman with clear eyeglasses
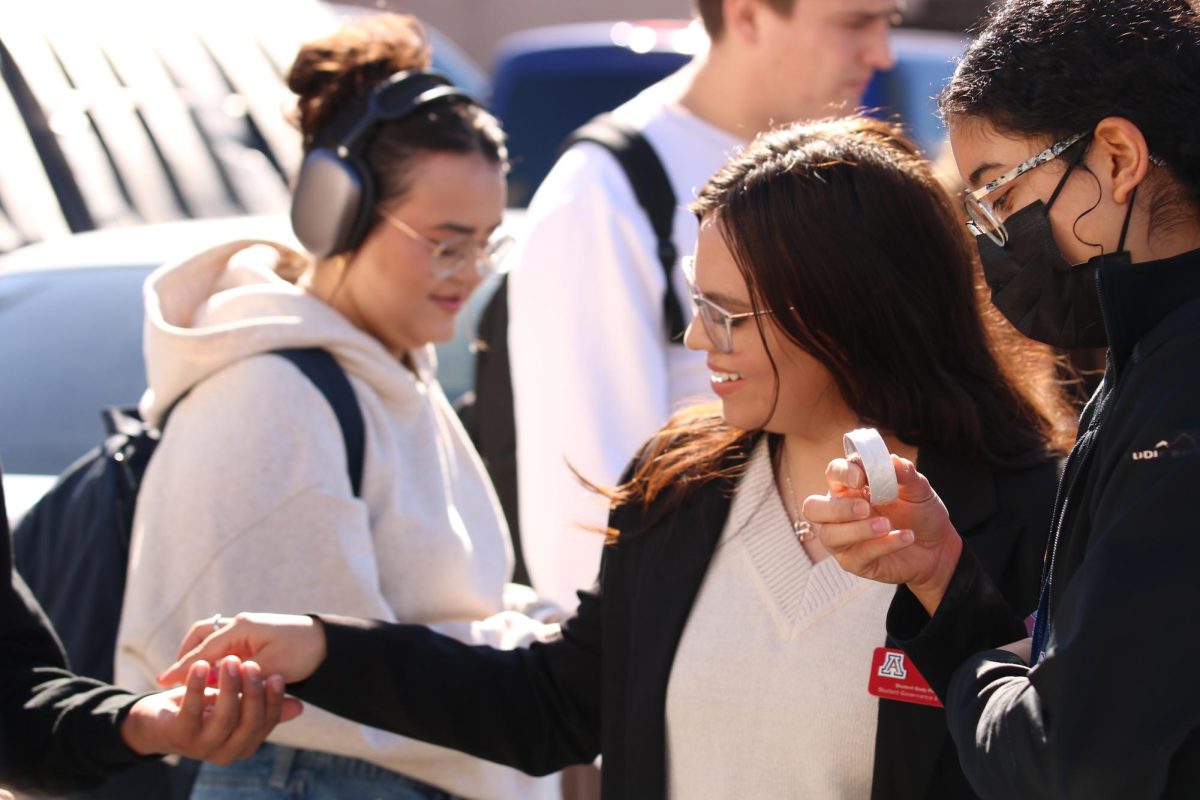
x,y
250,502
722,654
1076,128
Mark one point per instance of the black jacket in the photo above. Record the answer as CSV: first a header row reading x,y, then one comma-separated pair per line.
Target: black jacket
x,y
602,686
1114,708
57,731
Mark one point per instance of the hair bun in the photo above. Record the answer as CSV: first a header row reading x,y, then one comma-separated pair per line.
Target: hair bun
x,y
328,72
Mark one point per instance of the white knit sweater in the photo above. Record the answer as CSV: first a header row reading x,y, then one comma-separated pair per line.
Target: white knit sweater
x,y
768,692
247,504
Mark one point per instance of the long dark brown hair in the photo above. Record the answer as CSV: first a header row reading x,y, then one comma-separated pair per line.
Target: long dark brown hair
x,y
844,222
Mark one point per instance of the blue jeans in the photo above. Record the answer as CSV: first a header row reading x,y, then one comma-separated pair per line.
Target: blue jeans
x,y
285,773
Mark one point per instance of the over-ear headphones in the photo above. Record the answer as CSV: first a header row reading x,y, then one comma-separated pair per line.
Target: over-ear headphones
x,y
335,191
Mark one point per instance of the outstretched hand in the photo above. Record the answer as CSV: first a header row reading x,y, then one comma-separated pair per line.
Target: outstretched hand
x,y
220,725
284,644
908,541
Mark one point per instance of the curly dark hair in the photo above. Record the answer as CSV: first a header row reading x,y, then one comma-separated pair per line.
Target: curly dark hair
x,y
1052,69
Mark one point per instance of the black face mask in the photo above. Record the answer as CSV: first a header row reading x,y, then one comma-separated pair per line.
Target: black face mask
x,y
1033,286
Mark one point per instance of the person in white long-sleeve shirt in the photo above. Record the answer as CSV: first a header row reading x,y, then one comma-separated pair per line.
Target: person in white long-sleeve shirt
x,y
248,503
593,372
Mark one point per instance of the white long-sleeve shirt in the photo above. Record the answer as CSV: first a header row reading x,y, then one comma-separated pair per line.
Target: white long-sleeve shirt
x,y
592,371
247,504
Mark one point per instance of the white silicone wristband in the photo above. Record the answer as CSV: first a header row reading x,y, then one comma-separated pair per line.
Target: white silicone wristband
x,y
868,447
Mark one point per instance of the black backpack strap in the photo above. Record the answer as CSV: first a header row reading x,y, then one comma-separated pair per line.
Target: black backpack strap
x,y
327,375
654,194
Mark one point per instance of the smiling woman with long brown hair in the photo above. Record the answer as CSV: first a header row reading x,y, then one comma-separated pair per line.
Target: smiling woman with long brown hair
x,y
723,654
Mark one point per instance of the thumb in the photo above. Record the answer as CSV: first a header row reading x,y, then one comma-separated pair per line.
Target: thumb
x,y
914,487
292,708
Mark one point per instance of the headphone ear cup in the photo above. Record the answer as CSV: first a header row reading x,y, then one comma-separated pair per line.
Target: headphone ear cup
x,y
364,213
331,203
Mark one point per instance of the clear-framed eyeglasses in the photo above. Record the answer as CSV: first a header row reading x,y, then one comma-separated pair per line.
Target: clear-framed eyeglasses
x,y
983,218
450,256
718,322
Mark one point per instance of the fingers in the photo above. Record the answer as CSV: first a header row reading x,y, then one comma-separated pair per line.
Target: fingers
x,y
845,477
278,707
210,647
862,558
191,708
195,635
275,703
254,721
292,707
262,707
839,536
824,509
914,487
226,711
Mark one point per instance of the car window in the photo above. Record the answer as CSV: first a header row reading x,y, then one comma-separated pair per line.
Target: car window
x,y
541,97
179,117
72,344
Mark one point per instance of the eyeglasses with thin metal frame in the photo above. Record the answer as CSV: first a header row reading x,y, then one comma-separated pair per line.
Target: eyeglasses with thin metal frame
x,y
717,321
983,218
450,256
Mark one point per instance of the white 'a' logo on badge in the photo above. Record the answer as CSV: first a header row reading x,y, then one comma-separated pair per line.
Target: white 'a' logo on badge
x,y
893,666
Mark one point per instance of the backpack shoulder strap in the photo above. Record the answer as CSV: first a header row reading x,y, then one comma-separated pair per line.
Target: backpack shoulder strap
x,y
327,375
651,186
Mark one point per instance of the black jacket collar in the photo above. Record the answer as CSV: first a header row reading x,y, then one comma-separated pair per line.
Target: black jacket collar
x,y
1137,297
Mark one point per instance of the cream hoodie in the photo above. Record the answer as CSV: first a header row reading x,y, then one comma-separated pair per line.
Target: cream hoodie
x,y
247,505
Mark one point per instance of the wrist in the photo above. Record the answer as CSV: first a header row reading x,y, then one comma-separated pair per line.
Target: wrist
x,y
930,591
134,729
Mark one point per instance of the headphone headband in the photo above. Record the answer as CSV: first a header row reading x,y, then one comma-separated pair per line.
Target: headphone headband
x,y
401,95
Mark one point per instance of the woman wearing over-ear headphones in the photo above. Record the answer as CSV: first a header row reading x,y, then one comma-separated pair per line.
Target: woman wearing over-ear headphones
x,y
258,496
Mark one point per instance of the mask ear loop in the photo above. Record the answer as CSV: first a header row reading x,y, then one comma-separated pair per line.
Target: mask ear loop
x,y
1128,216
1083,146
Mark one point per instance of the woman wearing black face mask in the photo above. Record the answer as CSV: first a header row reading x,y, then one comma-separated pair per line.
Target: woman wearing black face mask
x,y
1076,127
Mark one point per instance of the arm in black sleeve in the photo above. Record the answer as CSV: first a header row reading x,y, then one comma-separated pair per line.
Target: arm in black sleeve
x,y
973,616
1115,698
58,731
983,606
535,709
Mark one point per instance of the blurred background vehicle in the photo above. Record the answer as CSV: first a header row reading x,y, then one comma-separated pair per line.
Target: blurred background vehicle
x,y
71,323
144,112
